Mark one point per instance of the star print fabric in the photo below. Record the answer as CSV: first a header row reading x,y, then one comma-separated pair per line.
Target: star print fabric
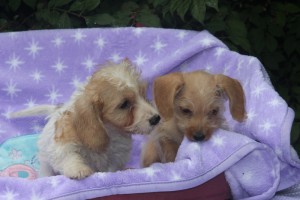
x,y
45,67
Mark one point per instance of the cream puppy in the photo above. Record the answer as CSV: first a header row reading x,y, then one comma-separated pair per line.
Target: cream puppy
x,y
92,131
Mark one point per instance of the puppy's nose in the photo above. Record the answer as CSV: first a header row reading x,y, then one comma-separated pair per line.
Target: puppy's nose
x,y
154,120
199,136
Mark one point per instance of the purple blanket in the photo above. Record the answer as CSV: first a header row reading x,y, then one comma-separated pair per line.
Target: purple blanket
x,y
44,67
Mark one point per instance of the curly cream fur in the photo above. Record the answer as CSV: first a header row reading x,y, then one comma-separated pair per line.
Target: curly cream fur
x,y
92,131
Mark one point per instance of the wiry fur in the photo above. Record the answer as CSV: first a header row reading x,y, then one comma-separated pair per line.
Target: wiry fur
x,y
92,131
190,104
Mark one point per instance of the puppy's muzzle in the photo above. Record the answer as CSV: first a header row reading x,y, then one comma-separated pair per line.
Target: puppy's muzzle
x,y
154,120
198,136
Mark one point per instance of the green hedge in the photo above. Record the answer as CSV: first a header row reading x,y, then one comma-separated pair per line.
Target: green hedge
x,y
266,29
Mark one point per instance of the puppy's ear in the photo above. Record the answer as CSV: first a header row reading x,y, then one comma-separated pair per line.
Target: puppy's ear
x,y
235,93
126,62
143,85
88,124
165,89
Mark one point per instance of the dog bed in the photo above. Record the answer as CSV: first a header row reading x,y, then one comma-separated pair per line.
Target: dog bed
x,y
44,67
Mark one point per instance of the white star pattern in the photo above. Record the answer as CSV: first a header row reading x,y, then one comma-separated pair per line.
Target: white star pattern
x,y
251,60
150,171
53,95
14,62
278,152
58,41
59,66
175,177
35,196
251,115
258,90
78,36
155,67
217,141
178,51
191,164
89,63
115,57
158,45
206,42
239,65
266,126
75,82
7,113
273,173
245,83
208,68
30,103
54,182
117,30
226,69
194,147
37,76
33,48
9,195
140,59
37,128
100,42
275,102
184,67
11,89
138,31
13,35
100,175
219,52
181,35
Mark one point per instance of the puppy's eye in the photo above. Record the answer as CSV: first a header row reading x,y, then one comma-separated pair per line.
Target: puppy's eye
x,y
186,111
125,104
214,112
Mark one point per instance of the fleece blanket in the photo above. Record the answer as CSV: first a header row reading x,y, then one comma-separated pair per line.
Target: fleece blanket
x,y
45,67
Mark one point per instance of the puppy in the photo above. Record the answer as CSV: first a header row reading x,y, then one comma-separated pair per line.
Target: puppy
x,y
91,132
190,104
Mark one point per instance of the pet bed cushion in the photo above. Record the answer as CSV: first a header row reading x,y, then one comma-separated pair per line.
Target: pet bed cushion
x,y
45,67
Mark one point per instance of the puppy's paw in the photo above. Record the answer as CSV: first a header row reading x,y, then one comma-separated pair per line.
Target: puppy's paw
x,y
78,172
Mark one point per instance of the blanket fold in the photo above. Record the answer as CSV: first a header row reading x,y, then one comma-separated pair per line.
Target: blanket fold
x,y
44,67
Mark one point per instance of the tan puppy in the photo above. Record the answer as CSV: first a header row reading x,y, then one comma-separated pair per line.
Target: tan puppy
x,y
190,104
92,131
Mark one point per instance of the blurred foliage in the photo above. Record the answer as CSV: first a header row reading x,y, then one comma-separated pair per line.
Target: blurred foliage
x,y
267,29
